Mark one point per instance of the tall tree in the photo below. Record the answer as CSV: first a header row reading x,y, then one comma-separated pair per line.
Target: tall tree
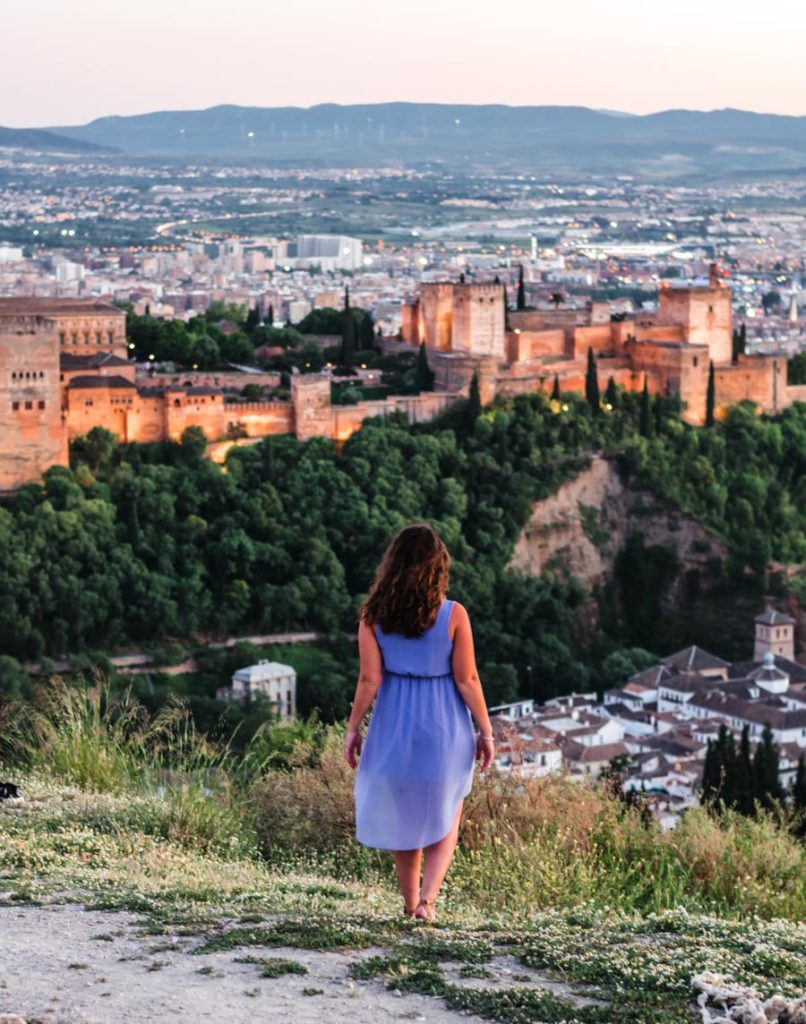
x,y
270,316
252,319
473,408
766,766
799,796
423,374
366,331
555,391
506,308
592,385
710,397
347,332
744,789
520,302
611,392
645,421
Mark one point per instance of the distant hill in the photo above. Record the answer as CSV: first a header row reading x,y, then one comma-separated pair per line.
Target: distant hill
x,y
547,138
46,141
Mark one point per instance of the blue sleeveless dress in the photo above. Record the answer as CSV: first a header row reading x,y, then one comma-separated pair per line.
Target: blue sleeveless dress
x,y
418,755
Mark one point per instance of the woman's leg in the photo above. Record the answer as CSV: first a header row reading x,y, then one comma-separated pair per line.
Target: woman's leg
x,y
438,858
407,865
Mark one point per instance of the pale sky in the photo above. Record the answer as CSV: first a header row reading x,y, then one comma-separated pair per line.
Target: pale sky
x,y
68,61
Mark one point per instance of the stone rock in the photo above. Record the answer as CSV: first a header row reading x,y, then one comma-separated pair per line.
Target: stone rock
x,y
11,1018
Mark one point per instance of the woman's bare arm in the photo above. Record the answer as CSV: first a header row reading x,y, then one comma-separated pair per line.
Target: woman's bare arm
x,y
465,673
370,674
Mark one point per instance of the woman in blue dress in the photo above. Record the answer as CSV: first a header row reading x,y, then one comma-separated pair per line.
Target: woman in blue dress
x,y
416,762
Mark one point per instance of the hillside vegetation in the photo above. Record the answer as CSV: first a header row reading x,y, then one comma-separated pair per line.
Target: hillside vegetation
x,y
138,543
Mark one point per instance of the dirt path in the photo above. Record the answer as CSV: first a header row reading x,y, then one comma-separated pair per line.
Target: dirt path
x,y
62,964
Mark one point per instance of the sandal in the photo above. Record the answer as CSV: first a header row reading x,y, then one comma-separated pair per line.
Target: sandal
x,y
429,906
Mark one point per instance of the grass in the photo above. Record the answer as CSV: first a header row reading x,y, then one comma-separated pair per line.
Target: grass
x,y
552,875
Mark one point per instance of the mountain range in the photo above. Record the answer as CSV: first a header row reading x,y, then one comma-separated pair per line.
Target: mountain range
x,y
670,143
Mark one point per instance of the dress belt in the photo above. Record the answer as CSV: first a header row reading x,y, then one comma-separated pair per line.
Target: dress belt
x,y
415,675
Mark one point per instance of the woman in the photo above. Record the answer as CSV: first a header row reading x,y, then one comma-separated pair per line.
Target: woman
x,y
416,768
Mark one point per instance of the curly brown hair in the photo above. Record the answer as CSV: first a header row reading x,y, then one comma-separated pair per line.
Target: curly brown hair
x,y
410,582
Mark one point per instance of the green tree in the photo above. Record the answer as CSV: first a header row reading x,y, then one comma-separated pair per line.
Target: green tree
x,y
766,768
710,397
770,300
520,299
611,392
424,375
592,385
743,786
555,391
473,408
347,357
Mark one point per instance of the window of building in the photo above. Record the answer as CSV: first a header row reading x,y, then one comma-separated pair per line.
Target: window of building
x,y
62,338
99,337
86,337
15,406
696,361
710,309
41,404
111,336
29,405
74,338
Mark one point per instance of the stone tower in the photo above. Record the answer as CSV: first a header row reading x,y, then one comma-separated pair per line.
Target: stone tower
x,y
705,314
478,320
775,633
310,397
33,436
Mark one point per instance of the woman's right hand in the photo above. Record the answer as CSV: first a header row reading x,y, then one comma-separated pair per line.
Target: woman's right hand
x,y
485,751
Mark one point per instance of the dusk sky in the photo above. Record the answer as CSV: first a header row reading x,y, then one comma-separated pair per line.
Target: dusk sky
x,y
66,63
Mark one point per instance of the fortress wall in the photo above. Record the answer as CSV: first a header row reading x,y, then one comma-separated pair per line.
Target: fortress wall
x,y
260,418
536,344
758,378
599,339
411,327
204,411
32,436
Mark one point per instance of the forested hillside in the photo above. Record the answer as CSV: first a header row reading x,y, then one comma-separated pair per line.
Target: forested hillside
x,y
139,543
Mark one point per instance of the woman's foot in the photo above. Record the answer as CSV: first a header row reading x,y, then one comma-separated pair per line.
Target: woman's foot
x,y
408,911
426,910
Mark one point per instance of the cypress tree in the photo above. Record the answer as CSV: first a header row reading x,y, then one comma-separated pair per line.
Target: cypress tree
x,y
423,374
658,405
766,764
270,316
710,784
592,385
506,308
611,392
366,331
347,332
252,319
645,422
799,797
729,758
473,409
742,339
710,397
521,297
555,391
744,789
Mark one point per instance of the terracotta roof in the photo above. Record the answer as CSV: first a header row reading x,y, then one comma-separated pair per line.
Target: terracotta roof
x,y
84,383
796,673
694,659
68,361
53,306
773,618
586,753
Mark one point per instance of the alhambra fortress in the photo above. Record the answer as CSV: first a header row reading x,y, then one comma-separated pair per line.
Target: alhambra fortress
x,y
64,369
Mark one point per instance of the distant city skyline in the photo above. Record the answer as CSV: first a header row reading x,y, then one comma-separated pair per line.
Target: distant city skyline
x,y
78,62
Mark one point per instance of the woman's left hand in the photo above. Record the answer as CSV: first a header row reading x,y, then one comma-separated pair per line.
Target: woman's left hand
x,y
352,747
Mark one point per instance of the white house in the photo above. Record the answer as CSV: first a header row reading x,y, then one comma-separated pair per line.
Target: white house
x,y
273,680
